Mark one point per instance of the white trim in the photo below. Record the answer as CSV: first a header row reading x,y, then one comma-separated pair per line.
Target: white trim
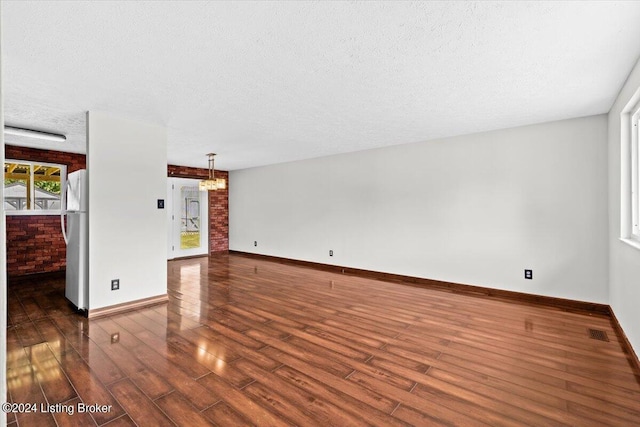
x,y
634,243
31,189
635,172
38,212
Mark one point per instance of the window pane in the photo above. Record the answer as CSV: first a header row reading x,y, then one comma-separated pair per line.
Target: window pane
x,y
190,231
47,187
17,179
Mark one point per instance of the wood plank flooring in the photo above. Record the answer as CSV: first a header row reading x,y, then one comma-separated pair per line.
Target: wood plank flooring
x,y
253,342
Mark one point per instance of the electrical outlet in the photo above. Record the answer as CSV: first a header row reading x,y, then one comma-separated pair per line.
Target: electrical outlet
x,y
528,274
115,284
255,243
330,252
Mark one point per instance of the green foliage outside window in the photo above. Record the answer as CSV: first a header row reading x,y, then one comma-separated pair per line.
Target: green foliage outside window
x,y
50,186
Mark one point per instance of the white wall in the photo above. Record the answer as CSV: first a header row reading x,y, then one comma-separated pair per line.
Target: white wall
x,y
3,258
624,274
475,209
127,167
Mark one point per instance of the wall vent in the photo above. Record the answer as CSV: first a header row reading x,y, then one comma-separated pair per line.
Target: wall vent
x,y
597,334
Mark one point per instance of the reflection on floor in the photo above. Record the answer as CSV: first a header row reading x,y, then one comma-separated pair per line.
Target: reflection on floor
x,y
245,341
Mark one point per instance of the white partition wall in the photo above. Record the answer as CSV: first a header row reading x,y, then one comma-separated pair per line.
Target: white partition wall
x,y
127,168
475,209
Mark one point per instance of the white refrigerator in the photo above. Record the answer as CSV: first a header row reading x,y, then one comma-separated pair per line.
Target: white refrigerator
x,y
76,236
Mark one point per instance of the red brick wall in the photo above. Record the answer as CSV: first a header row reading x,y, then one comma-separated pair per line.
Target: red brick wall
x,y
34,242
218,206
72,160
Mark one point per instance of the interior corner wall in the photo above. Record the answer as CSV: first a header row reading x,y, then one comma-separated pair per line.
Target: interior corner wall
x,y
475,209
127,173
624,260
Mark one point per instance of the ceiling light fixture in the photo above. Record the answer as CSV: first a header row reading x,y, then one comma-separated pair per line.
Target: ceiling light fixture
x,y
30,133
212,183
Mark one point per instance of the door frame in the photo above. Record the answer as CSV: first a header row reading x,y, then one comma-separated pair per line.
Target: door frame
x,y
173,220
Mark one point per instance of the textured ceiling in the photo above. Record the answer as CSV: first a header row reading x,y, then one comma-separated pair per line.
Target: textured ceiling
x,y
269,82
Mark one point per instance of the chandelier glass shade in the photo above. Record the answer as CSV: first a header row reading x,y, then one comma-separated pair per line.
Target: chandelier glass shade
x,y
212,183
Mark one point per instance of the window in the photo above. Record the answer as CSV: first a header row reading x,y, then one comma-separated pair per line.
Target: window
x,y
630,172
32,187
635,172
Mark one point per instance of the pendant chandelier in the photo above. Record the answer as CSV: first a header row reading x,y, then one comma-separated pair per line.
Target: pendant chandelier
x,y
212,183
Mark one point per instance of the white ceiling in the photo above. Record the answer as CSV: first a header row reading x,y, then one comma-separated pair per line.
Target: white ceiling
x,y
268,82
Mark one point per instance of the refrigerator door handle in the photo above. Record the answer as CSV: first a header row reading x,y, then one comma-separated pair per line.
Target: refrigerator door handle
x,y
63,212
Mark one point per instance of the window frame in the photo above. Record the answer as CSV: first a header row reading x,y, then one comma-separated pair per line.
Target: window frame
x,y
31,189
635,172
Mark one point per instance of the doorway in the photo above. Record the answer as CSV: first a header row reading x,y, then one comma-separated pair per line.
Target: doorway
x,y
188,218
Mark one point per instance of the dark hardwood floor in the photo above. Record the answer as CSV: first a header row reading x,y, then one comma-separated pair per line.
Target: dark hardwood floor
x,y
252,342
